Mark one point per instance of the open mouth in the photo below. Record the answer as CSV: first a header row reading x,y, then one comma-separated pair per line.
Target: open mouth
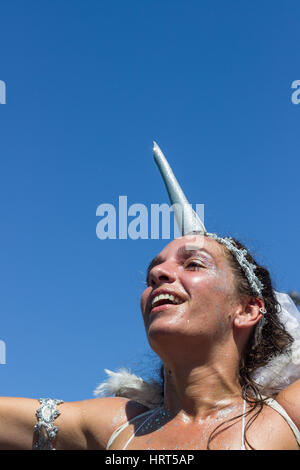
x,y
165,299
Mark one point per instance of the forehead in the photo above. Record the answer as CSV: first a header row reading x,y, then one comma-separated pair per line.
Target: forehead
x,y
191,245
194,243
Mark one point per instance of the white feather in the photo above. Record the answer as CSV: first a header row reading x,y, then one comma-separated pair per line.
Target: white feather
x,y
284,369
125,384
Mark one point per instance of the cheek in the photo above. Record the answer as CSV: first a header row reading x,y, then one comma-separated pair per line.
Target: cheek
x,y
144,298
219,282
201,285
213,291
224,286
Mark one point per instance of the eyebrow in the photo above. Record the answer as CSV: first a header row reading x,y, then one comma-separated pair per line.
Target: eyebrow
x,y
182,252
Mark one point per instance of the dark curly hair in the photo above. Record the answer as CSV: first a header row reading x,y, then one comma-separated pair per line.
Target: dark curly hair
x,y
274,339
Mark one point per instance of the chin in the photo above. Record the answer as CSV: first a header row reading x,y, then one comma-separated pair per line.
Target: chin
x,y
165,329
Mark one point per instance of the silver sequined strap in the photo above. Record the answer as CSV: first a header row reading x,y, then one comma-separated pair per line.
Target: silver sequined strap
x,y
44,429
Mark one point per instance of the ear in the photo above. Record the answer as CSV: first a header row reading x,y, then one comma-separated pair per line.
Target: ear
x,y
248,313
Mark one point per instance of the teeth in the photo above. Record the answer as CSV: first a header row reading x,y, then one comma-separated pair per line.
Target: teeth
x,y
165,297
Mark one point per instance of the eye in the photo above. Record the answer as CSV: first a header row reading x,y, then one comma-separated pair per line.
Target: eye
x,y
193,265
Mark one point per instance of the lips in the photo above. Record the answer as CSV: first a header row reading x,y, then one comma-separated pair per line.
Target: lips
x,y
164,298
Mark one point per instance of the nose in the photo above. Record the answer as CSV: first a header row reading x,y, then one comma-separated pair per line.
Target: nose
x,y
162,273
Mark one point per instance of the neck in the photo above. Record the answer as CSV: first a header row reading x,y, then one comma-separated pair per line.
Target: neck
x,y
198,388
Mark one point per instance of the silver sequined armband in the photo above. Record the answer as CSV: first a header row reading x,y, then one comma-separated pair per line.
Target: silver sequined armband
x,y
44,429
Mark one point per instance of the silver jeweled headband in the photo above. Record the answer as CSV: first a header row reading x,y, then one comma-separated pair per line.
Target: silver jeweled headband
x,y
189,222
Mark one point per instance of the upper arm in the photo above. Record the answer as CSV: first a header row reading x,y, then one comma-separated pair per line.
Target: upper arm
x,y
289,399
102,416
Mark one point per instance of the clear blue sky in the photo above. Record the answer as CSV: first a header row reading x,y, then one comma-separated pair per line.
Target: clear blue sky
x,y
90,85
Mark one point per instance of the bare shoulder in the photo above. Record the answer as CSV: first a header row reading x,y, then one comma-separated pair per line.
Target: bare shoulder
x,y
289,399
100,417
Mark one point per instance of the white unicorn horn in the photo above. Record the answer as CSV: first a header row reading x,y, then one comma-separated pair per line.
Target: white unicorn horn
x,y
187,219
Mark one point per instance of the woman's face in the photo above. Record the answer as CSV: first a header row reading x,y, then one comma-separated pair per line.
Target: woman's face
x,y
190,291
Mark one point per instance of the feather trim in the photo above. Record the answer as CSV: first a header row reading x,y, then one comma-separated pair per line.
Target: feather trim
x,y
125,384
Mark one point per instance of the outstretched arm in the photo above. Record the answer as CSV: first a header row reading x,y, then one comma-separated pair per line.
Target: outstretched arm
x,y
82,425
18,419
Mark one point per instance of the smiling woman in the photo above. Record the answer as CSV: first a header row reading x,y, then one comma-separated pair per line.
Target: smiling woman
x,y
211,314
201,315
213,318
203,283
